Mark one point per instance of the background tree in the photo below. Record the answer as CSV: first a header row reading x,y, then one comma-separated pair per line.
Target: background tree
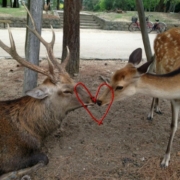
x,y
57,5
144,33
160,6
16,4
172,5
81,5
130,5
90,4
150,5
71,34
4,3
32,46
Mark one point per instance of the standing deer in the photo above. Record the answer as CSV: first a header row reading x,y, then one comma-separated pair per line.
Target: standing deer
x,y
27,121
167,54
131,80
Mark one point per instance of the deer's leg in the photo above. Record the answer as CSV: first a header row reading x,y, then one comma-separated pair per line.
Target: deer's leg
x,y
154,104
157,109
21,173
150,115
175,104
27,165
34,159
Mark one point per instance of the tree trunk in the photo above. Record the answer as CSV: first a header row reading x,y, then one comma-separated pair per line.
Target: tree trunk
x,y
170,6
58,1
4,3
16,4
71,36
81,5
11,4
32,46
144,33
160,6
174,7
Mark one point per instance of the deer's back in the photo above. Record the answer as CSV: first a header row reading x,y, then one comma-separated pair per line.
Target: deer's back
x,y
167,51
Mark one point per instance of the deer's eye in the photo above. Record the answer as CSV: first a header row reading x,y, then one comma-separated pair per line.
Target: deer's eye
x,y
119,88
67,92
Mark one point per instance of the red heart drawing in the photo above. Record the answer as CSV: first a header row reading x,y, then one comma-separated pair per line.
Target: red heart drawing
x,y
94,100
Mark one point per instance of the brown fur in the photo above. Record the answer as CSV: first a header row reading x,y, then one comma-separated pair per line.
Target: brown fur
x,y
167,55
167,51
25,122
126,82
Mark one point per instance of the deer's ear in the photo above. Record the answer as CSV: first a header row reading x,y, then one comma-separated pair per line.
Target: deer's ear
x,y
136,56
143,69
38,92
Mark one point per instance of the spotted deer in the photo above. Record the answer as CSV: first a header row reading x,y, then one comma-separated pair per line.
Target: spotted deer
x,y
167,53
131,80
27,121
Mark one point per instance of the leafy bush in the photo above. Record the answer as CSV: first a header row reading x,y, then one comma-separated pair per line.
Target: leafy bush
x,y
61,6
101,5
96,7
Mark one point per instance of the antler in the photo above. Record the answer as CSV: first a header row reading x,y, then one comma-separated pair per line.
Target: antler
x,y
53,62
49,46
12,51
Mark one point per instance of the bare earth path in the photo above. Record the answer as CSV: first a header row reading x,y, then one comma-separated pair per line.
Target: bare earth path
x,y
125,147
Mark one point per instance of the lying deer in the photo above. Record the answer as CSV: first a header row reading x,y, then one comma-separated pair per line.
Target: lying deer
x,y
27,121
167,59
131,80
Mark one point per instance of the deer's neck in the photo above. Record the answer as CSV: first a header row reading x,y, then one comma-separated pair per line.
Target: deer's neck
x,y
44,118
161,86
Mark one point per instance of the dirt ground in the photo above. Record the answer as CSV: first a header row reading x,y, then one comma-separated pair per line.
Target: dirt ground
x,y
126,147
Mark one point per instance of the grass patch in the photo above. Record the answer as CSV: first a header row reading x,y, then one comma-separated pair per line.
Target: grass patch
x,y
169,18
15,12
164,17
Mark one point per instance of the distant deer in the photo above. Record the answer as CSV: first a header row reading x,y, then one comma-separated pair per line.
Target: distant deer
x,y
27,121
46,7
167,55
131,80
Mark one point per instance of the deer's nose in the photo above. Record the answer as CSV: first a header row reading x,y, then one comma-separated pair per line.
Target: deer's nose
x,y
99,102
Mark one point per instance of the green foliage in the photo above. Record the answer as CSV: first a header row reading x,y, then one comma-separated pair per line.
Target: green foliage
x,y
15,12
97,7
102,5
91,4
150,5
108,4
61,6
127,5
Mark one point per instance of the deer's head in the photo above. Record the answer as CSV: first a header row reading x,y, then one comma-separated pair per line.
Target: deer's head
x,y
58,88
124,80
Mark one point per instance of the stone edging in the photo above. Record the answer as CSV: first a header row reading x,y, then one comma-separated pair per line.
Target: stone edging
x,y
117,25
21,22
56,23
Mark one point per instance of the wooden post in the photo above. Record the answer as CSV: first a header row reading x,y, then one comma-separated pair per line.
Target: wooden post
x,y
71,34
32,46
144,33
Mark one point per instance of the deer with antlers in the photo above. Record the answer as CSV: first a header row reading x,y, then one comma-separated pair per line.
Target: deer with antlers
x,y
27,121
131,80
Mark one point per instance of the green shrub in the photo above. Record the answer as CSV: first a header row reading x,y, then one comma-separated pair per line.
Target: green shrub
x,y
102,5
96,7
61,6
